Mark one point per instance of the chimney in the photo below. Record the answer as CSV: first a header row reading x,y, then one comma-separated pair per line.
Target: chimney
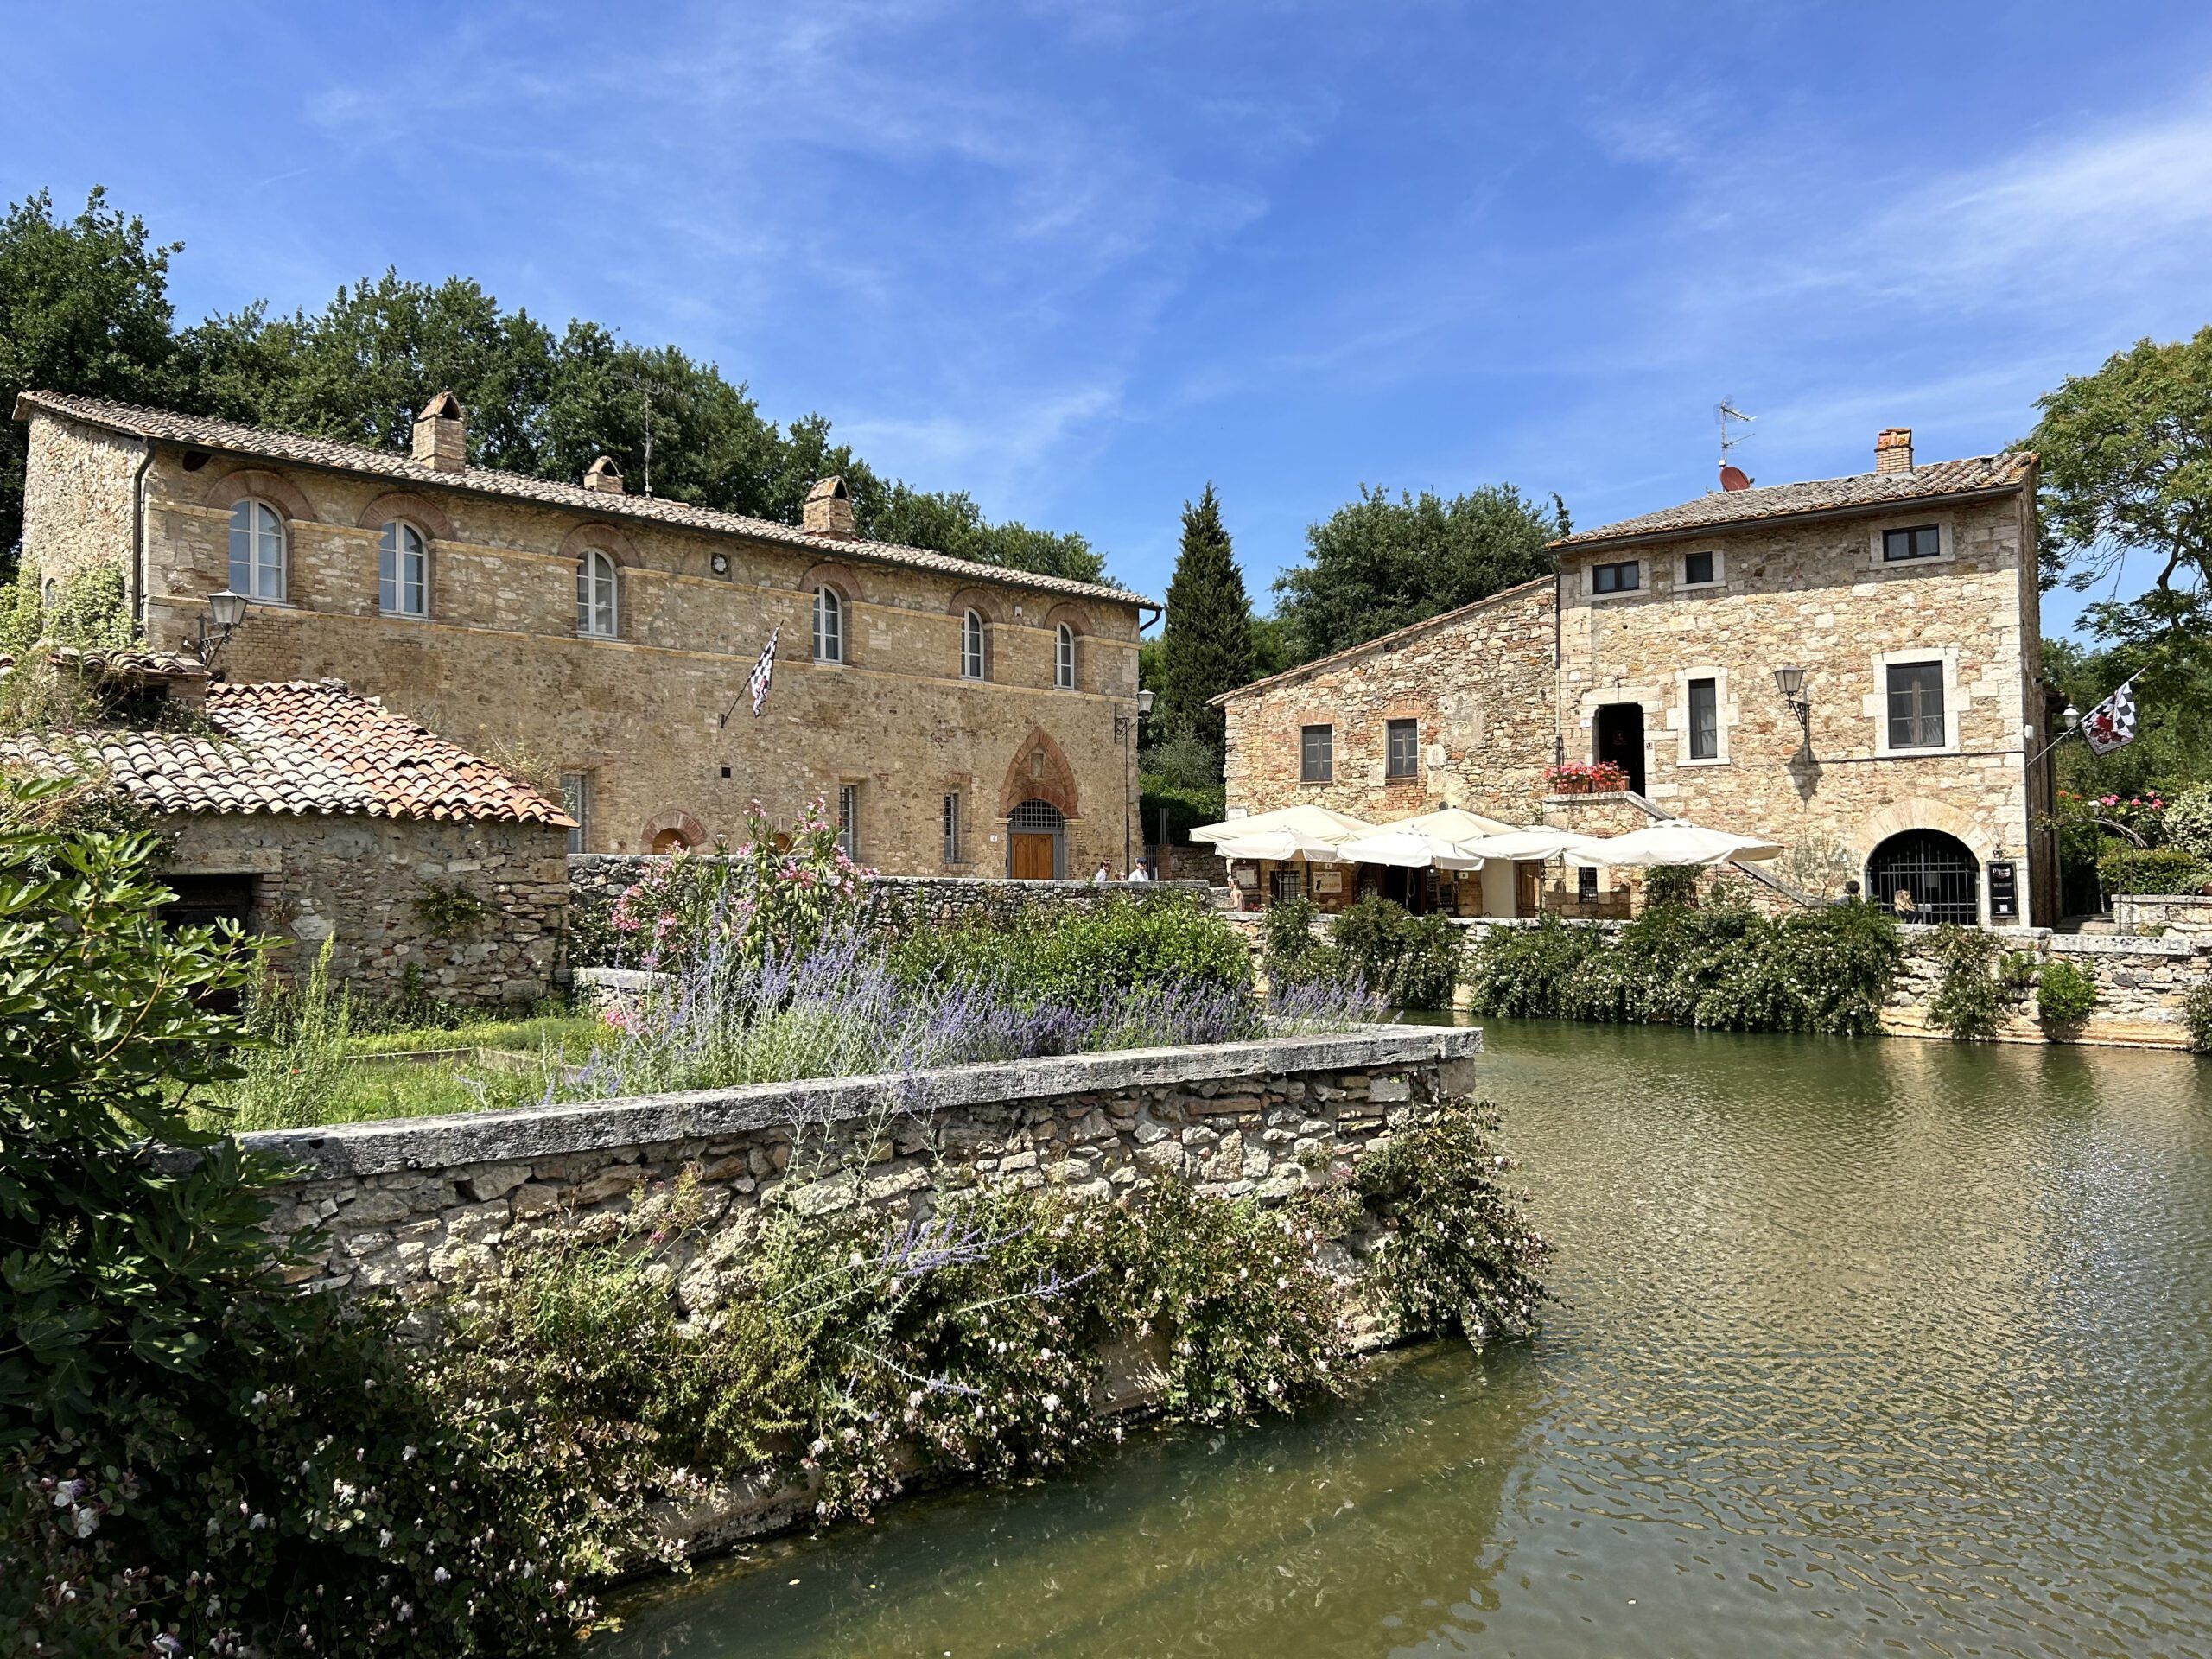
x,y
441,440
828,510
603,476
1893,449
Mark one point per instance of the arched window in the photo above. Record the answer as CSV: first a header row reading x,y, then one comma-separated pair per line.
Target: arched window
x,y
595,614
1924,876
971,645
256,550
829,625
402,571
1063,658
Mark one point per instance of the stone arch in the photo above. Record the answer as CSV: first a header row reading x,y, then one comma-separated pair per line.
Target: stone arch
x,y
1920,812
981,601
426,516
1040,771
830,574
275,488
609,539
672,827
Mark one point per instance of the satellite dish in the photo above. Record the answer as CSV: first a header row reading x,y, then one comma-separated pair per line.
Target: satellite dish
x,y
1734,478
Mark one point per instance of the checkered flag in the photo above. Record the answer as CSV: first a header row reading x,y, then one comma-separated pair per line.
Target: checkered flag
x,y
763,672
2111,724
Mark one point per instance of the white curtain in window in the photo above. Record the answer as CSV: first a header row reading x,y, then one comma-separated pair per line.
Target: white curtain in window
x,y
595,594
256,550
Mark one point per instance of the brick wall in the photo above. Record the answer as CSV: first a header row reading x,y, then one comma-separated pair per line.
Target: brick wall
x,y
356,881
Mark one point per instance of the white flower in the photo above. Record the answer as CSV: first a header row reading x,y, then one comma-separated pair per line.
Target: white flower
x,y
86,1522
440,1576
384,1538
1052,1402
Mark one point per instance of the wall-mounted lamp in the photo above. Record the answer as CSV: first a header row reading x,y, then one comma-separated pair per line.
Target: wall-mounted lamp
x,y
1125,724
1790,682
226,611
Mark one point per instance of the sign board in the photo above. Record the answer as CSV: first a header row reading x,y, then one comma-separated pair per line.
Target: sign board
x,y
2004,890
1328,881
1244,876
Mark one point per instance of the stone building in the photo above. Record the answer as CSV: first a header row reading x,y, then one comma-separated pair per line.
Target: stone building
x,y
1902,754
308,814
955,716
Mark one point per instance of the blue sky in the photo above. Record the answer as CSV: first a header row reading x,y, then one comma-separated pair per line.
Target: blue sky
x,y
1079,259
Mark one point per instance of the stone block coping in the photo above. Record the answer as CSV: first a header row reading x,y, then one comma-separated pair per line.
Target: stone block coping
x,y
422,1143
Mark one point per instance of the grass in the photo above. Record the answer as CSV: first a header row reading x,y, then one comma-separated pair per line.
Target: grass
x,y
573,1033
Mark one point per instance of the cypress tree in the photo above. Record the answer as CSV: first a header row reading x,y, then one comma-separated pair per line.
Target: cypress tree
x,y
1207,647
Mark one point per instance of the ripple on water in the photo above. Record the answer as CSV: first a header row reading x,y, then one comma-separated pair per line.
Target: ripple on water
x,y
1864,1347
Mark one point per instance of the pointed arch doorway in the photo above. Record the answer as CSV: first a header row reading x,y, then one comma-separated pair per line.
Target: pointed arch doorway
x,y
1036,842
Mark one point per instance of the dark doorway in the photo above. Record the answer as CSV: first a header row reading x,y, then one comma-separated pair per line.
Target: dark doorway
x,y
204,900
1926,876
1619,738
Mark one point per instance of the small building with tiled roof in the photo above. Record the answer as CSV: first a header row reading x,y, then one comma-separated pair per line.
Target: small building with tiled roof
x,y
947,709
1851,666
307,813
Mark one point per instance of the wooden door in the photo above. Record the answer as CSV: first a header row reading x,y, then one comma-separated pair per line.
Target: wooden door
x,y
1528,889
1033,856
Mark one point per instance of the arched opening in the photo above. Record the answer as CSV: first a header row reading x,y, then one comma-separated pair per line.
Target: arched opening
x,y
1926,876
670,841
1036,842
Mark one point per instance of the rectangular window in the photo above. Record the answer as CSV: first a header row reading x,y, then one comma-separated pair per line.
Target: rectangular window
x,y
1697,569
1705,719
1402,757
952,828
1916,705
1317,754
1586,884
849,820
575,801
1623,578
1920,542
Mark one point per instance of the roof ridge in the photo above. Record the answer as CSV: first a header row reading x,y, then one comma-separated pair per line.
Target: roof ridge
x,y
546,491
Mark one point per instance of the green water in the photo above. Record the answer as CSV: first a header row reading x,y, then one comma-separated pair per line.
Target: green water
x,y
1888,1347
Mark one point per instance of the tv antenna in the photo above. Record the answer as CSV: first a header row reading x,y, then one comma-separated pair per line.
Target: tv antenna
x,y
1732,477
649,443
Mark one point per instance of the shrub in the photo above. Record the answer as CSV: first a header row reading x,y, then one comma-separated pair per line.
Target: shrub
x,y
2189,822
1083,958
2065,993
2196,1011
1291,954
293,1059
1412,961
2153,869
1972,992
1671,884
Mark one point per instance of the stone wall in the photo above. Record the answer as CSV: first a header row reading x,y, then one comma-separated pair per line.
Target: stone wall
x,y
357,882
417,1205
657,719
2141,985
2189,914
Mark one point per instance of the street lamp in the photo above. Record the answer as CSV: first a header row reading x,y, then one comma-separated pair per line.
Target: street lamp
x,y
225,612
1790,682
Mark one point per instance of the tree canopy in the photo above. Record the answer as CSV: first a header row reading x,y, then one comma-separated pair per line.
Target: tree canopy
x,y
85,308
1205,644
1383,562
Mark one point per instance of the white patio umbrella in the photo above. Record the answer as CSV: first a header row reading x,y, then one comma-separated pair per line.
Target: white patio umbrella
x,y
1282,846
1675,840
1453,823
1539,841
1317,823
1410,848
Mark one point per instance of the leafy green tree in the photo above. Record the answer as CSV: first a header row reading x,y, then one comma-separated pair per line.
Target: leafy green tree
x,y
1206,647
1380,563
951,522
84,308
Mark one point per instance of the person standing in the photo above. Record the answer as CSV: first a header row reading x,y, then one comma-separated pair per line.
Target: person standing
x,y
1139,873
1100,873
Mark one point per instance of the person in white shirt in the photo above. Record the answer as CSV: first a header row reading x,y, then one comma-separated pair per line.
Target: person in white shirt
x,y
1140,873
1101,874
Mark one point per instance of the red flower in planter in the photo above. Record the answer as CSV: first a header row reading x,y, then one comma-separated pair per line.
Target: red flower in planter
x,y
1594,778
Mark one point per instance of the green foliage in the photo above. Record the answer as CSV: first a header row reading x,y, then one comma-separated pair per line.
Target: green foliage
x,y
1181,776
2189,822
1081,959
2065,994
292,1070
2152,869
1972,992
1827,970
1455,1252
89,612
2196,1011
446,910
951,522
1206,647
84,308
1292,953
1379,563
1412,962
1671,884
207,1452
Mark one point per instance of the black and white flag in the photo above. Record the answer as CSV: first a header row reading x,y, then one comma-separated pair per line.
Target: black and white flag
x,y
763,672
2111,724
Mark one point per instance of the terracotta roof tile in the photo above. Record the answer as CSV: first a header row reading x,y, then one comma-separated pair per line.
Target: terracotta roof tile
x,y
295,746
1725,509
264,443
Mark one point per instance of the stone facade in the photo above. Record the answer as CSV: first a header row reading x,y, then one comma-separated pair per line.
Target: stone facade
x,y
362,882
2141,985
653,725
417,1205
1560,670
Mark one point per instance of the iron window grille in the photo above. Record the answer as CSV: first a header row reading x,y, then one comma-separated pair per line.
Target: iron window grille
x,y
1917,706
575,801
849,820
952,828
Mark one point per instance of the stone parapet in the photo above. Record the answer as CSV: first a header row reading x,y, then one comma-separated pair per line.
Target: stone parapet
x,y
414,1204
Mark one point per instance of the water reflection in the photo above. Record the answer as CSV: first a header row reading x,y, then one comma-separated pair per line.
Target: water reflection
x,y
1874,1344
